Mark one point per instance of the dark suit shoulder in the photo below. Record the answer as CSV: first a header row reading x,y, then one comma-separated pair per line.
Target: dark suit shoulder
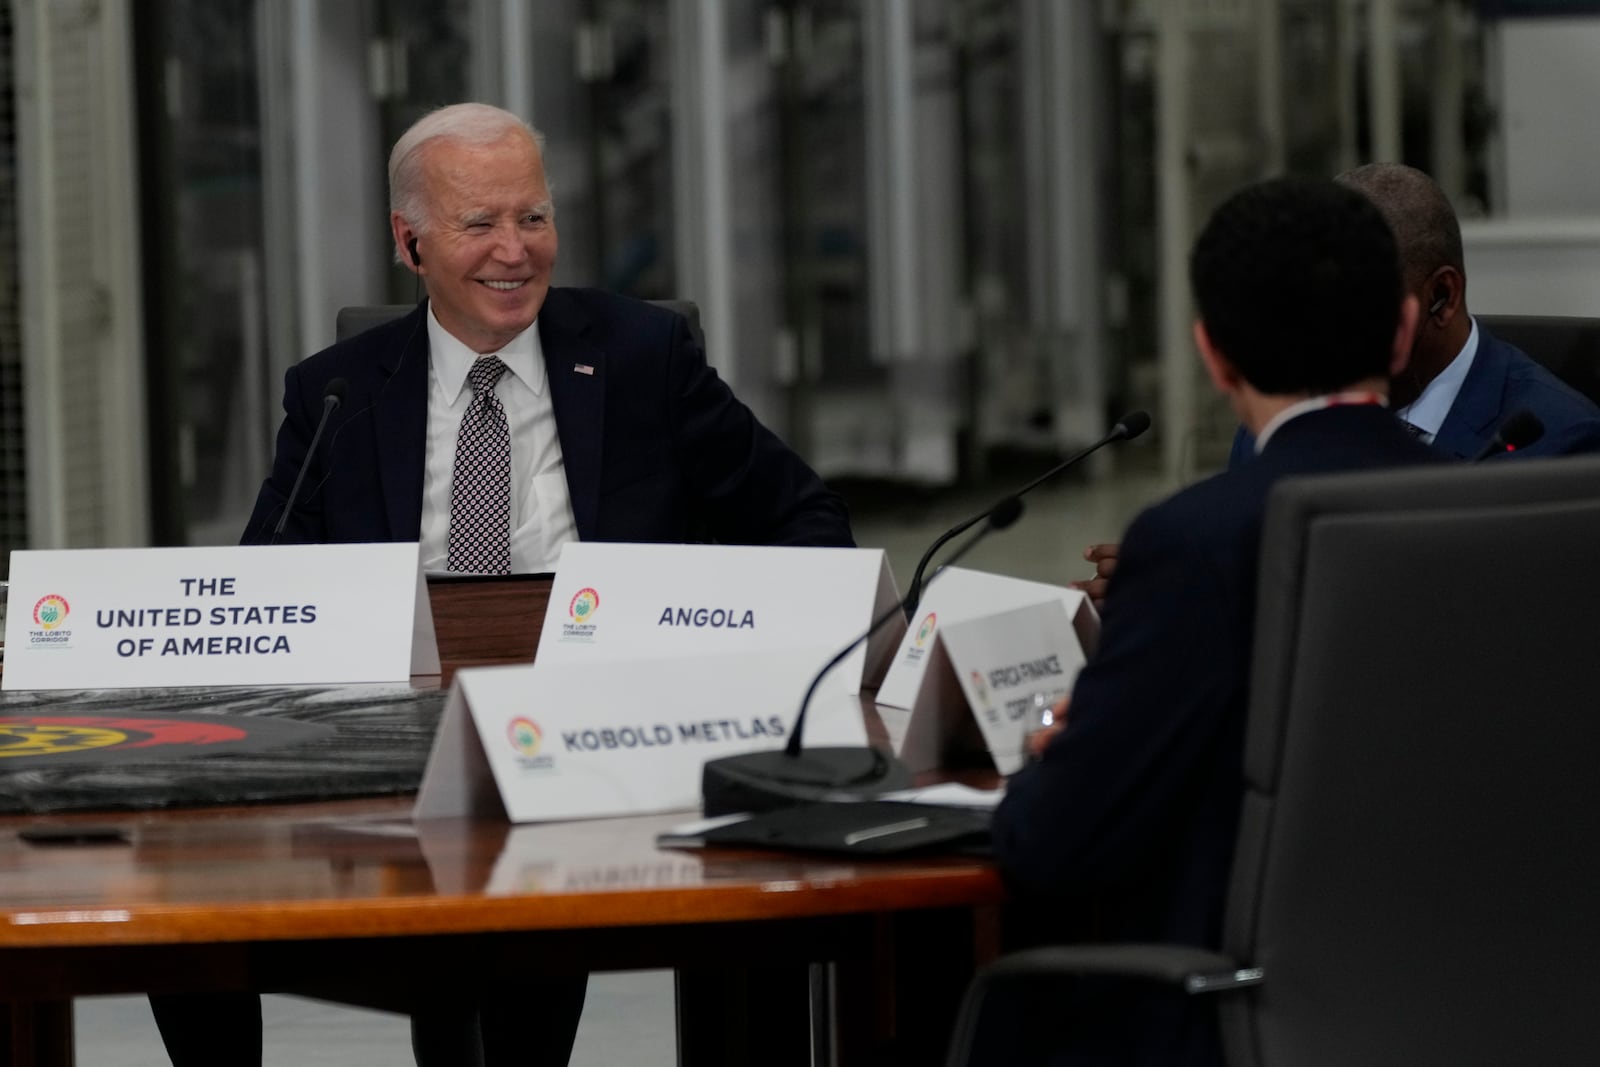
x,y
581,309
1529,377
1571,420
1342,435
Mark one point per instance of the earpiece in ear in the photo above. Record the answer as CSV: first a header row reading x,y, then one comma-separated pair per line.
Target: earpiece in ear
x,y
416,257
1440,298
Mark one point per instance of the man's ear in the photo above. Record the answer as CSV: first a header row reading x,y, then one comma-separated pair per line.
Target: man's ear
x,y
1443,297
1405,334
405,242
1225,377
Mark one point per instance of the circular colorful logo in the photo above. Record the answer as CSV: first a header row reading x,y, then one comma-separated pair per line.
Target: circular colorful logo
x,y
51,611
584,604
525,736
979,686
926,628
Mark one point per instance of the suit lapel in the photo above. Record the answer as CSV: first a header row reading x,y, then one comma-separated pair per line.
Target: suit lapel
x,y
1472,418
576,370
400,420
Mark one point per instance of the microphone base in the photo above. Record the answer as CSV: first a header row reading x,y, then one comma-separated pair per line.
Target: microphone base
x,y
762,781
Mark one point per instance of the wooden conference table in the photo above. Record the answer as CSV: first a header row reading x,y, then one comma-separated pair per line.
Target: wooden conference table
x,y
353,901
351,896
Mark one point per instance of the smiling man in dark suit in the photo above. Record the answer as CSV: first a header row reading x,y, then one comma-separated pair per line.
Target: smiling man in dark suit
x,y
499,420
618,430
1126,825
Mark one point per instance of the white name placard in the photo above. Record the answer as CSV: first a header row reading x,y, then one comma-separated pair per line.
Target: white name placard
x,y
566,741
614,602
279,615
1001,670
958,595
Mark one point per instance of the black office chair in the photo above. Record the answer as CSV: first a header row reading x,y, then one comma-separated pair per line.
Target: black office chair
x,y
362,317
1417,878
1569,348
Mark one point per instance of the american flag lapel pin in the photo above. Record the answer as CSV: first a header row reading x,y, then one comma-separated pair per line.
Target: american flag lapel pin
x,y
583,368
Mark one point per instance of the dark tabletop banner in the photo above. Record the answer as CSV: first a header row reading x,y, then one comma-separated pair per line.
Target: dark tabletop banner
x,y
131,749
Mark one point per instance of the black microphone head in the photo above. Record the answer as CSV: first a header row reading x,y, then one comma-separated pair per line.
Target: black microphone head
x,y
1132,424
1005,513
334,390
1521,429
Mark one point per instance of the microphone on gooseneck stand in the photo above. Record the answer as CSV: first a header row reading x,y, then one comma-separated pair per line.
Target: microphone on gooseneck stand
x,y
332,397
760,781
1521,429
1127,428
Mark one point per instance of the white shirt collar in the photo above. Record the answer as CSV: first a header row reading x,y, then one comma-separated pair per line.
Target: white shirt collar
x,y
1314,403
1428,411
451,360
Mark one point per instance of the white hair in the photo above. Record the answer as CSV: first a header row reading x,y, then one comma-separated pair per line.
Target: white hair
x,y
477,124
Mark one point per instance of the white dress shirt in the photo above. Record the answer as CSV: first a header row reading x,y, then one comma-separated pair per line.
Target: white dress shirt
x,y
1432,406
541,507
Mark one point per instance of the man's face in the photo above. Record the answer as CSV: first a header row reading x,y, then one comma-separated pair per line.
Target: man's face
x,y
490,244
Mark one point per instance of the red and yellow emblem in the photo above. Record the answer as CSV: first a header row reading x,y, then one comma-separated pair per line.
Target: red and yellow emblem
x,y
525,735
48,739
584,604
56,735
51,611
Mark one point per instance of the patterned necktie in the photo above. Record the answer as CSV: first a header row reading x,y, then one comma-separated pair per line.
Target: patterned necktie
x,y
1414,430
480,490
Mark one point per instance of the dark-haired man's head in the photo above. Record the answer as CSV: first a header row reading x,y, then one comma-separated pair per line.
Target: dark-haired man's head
x,y
1429,238
1299,289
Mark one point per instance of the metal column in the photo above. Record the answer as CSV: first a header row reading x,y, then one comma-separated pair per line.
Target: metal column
x,y
700,174
1174,224
1383,79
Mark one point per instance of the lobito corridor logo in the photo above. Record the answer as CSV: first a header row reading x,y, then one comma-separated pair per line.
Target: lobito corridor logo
x,y
585,602
527,739
980,689
525,736
581,610
49,612
916,650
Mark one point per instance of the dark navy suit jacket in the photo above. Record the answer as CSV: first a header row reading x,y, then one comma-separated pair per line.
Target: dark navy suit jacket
x,y
1129,819
1502,380
656,446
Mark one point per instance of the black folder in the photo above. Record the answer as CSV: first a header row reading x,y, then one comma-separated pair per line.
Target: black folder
x,y
857,828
